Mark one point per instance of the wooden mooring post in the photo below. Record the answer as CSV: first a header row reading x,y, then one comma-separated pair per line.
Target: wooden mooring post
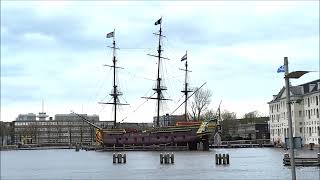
x,y
222,159
77,147
167,158
119,158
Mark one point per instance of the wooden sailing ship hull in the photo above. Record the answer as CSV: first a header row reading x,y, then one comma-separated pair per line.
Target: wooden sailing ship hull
x,y
188,137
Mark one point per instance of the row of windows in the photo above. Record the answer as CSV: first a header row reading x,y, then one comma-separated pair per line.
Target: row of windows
x,y
307,113
312,112
312,100
57,123
278,106
311,123
304,130
300,123
37,123
282,104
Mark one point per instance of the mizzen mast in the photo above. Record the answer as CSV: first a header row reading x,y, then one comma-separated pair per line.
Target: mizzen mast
x,y
115,93
186,90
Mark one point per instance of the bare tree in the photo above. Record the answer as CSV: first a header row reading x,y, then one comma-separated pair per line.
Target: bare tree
x,y
228,123
226,115
210,114
200,102
251,115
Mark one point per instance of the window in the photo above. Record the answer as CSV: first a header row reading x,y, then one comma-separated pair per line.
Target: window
x,y
308,102
309,131
317,100
317,113
300,113
309,114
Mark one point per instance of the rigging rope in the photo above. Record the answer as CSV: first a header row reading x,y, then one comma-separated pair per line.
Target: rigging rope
x,y
138,107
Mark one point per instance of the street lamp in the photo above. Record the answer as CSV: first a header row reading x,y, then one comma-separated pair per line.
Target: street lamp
x,y
293,75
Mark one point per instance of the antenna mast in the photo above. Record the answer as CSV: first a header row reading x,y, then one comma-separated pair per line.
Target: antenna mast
x,y
159,88
42,106
115,93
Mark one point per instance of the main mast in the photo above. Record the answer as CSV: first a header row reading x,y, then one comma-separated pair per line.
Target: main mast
x,y
159,88
115,93
186,90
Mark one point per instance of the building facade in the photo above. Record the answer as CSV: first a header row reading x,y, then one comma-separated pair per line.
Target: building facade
x,y
26,117
65,129
305,105
6,133
246,129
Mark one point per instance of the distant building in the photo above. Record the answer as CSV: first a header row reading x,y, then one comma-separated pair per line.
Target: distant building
x,y
305,113
74,117
168,120
42,116
26,117
246,129
6,133
64,130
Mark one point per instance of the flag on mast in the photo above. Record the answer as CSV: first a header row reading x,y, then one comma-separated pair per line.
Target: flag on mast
x,y
184,57
111,34
158,22
280,69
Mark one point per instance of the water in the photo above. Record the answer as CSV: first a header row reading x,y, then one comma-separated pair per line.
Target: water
x,y
251,163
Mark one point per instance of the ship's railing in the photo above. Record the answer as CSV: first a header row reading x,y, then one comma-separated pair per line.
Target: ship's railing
x,y
114,131
172,129
207,127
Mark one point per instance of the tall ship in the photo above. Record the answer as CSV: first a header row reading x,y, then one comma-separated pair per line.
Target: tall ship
x,y
184,135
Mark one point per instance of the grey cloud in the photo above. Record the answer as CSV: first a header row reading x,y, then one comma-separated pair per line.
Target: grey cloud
x,y
17,93
69,32
12,70
207,31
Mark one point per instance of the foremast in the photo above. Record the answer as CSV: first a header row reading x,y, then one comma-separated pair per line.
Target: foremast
x,y
115,93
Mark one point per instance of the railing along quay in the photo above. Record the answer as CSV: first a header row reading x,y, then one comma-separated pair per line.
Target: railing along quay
x,y
302,161
243,144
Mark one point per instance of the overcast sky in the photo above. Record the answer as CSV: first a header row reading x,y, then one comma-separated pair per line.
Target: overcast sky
x,y
56,50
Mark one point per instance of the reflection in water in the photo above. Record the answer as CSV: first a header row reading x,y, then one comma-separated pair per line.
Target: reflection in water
x,y
251,163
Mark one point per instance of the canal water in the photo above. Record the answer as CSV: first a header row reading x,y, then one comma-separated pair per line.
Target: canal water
x,y
245,163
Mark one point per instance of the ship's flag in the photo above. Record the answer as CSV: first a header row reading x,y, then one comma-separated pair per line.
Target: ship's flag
x,y
184,57
280,69
111,34
158,22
